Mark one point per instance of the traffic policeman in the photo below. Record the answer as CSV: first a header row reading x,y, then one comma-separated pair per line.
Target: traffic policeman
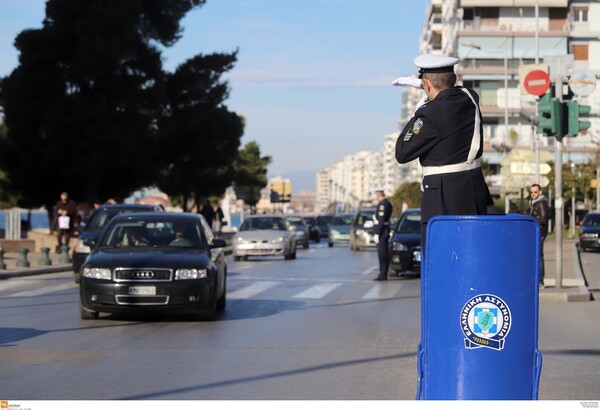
x,y
383,214
446,135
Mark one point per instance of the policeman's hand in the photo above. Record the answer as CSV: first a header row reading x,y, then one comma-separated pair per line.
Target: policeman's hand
x,y
422,102
410,81
376,238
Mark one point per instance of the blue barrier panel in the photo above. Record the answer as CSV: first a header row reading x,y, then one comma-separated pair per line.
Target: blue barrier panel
x,y
479,312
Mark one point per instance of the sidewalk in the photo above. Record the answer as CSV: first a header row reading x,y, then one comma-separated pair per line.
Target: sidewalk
x,y
12,270
573,284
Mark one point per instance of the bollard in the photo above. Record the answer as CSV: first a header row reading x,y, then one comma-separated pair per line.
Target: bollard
x,y
64,254
2,264
45,257
479,312
22,261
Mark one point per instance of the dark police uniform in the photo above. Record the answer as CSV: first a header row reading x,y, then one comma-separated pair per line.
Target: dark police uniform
x,y
446,134
382,228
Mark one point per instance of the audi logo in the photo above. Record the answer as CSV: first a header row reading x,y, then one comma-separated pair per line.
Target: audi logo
x,y
142,274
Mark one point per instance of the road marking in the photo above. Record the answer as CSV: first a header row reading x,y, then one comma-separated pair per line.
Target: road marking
x,y
251,290
317,291
383,291
370,270
43,291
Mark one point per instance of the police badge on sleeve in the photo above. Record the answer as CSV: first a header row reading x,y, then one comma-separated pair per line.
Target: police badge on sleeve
x,y
485,321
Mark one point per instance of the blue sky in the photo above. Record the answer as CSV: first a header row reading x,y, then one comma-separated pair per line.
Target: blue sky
x,y
312,78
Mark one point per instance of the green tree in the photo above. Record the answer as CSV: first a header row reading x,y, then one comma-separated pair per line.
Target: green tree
x,y
409,193
199,136
83,104
250,173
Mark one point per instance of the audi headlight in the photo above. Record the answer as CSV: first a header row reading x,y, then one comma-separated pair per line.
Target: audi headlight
x,y
97,273
80,247
183,274
398,246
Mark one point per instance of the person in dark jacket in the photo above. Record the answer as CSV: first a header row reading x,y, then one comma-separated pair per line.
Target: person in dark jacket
x,y
65,213
540,211
446,135
383,213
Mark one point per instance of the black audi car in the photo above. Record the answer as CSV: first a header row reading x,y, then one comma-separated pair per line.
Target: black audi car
x,y
155,261
405,244
96,224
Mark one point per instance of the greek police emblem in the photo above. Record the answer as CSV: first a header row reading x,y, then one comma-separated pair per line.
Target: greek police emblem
x,y
417,126
485,321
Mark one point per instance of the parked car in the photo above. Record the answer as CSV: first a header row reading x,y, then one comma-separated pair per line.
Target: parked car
x,y
361,234
313,228
589,232
339,229
265,235
405,245
323,221
302,230
155,261
96,224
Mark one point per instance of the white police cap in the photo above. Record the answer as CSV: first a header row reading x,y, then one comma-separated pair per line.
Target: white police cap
x,y
379,189
433,63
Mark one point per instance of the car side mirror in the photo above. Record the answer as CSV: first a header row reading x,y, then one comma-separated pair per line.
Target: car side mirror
x,y
90,242
218,243
368,224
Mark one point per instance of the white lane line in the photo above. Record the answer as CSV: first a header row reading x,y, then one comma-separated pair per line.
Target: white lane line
x,y
318,291
251,290
43,291
383,290
370,270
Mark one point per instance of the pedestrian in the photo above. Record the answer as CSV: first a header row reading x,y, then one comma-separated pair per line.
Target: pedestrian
x,y
65,213
219,219
208,213
446,135
383,213
540,211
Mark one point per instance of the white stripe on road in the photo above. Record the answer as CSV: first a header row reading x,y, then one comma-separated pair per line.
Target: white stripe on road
x,y
43,291
318,291
370,270
251,290
383,290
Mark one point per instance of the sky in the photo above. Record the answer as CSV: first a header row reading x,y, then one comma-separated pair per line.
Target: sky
x,y
313,77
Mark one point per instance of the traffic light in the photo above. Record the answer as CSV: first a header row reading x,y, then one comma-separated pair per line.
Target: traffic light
x,y
574,111
549,115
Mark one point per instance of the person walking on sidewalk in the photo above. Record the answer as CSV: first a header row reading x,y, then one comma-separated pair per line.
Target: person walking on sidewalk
x,y
539,210
65,213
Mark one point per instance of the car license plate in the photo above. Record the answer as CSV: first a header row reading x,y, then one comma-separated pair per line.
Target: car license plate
x,y
417,255
142,290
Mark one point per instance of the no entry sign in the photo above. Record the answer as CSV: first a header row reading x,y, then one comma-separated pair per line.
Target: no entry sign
x,y
537,82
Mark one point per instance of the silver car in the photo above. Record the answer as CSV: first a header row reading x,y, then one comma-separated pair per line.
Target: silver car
x,y
264,235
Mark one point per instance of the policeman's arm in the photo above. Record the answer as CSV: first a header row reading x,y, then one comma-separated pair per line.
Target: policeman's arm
x,y
417,138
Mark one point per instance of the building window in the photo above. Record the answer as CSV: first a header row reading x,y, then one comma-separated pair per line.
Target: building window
x,y
580,14
580,52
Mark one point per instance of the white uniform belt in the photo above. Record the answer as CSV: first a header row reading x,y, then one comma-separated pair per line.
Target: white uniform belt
x,y
447,169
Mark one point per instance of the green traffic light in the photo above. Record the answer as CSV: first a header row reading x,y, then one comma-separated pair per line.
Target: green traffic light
x,y
549,115
574,111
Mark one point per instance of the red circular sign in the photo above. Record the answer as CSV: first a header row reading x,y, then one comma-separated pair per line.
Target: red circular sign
x,y
537,82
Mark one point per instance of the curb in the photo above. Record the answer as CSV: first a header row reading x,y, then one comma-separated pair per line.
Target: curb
x,y
576,290
34,271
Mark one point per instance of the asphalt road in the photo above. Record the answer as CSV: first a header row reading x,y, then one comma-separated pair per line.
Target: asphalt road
x,y
316,328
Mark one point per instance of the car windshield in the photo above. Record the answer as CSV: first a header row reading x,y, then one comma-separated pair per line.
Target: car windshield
x,y
261,224
153,233
342,220
297,221
410,222
591,220
365,216
102,217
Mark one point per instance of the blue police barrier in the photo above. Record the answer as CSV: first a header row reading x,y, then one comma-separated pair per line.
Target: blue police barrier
x,y
479,309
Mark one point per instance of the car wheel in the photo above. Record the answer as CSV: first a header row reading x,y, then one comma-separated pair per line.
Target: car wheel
x,y
237,258
287,256
244,258
318,240
222,302
209,314
305,246
330,245
87,314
